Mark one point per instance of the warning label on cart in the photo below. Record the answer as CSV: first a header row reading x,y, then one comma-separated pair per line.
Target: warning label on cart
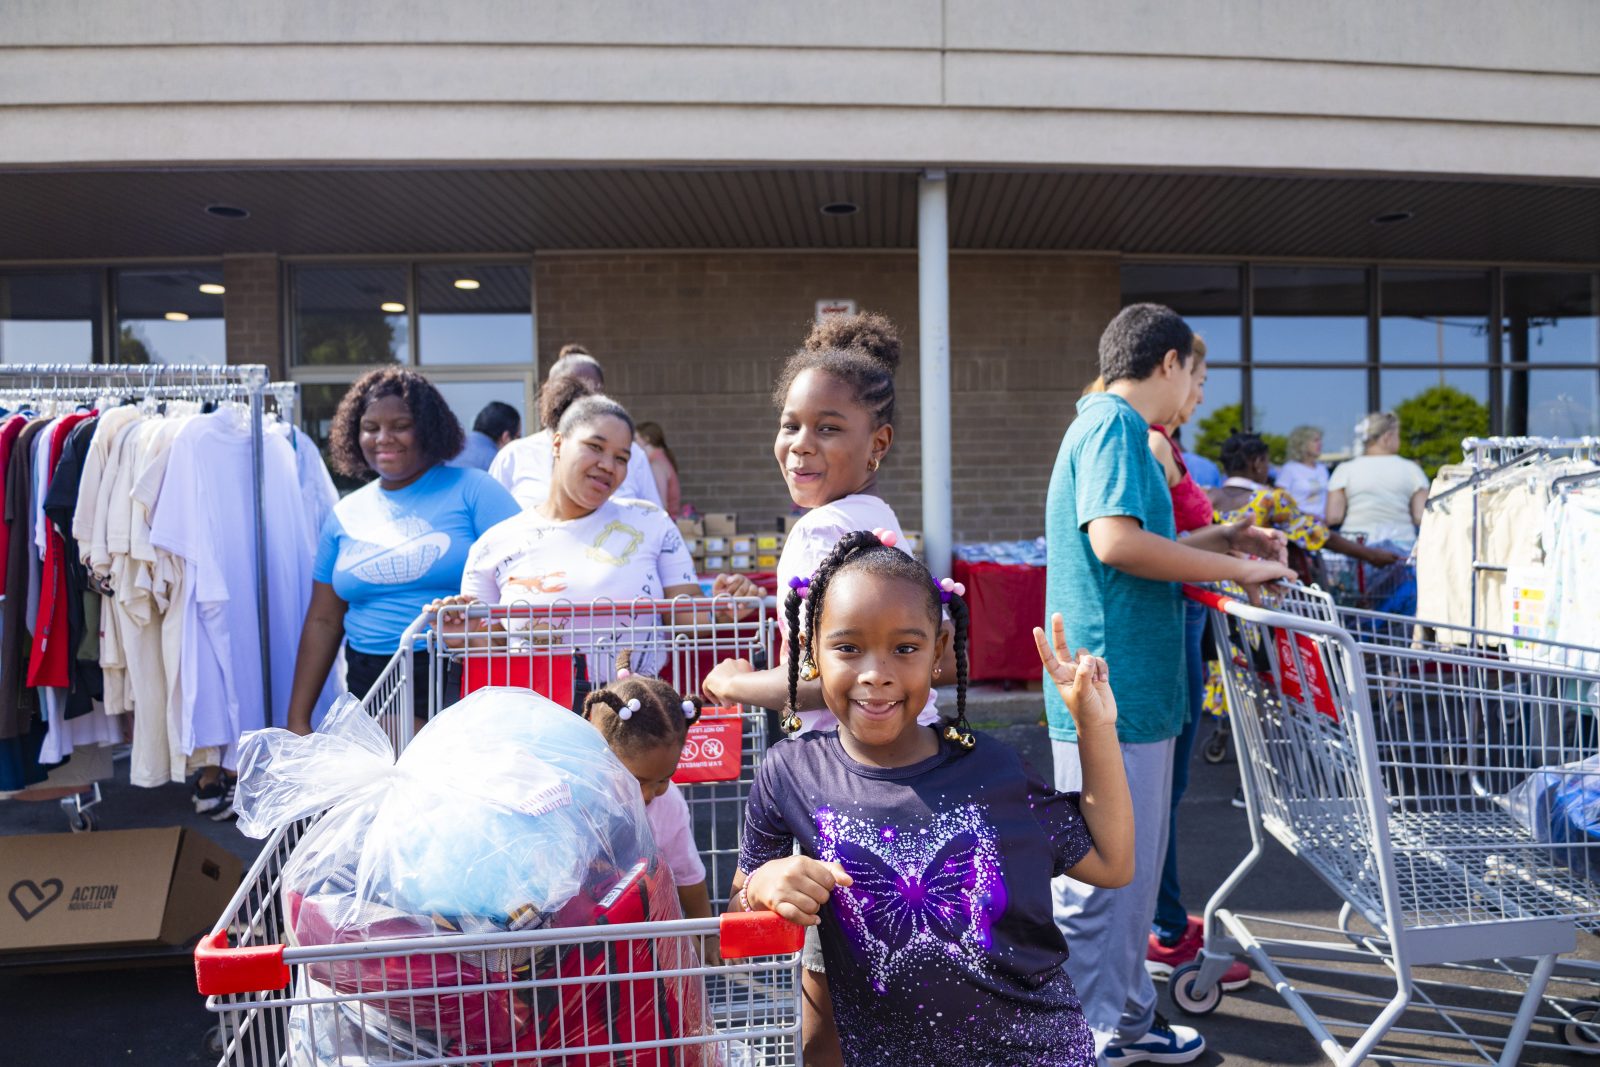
x,y
714,750
1303,673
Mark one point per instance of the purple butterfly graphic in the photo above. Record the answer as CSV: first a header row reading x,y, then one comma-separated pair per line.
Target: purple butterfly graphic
x,y
896,907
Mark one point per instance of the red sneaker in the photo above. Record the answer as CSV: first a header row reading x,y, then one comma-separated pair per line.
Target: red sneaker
x,y
1161,960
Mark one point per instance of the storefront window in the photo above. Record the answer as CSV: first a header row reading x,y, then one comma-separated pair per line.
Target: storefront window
x,y
350,315
1434,316
474,314
1333,400
50,317
1551,348
170,316
1309,314
1207,295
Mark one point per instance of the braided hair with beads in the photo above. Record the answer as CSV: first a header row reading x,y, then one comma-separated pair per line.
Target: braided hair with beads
x,y
863,551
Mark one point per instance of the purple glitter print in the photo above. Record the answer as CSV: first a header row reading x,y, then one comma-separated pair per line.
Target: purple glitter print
x,y
943,948
934,892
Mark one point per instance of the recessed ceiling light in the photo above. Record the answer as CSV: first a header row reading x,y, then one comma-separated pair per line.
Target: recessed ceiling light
x,y
227,211
392,308
466,283
213,289
840,208
1389,218
177,316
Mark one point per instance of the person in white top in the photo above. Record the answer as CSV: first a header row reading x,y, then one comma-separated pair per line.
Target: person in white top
x,y
1378,493
835,425
1304,476
584,544
524,467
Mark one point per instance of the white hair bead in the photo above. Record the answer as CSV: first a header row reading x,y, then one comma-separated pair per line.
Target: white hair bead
x,y
626,711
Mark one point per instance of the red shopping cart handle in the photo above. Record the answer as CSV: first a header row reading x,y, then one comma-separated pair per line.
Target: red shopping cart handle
x,y
1207,597
220,970
758,933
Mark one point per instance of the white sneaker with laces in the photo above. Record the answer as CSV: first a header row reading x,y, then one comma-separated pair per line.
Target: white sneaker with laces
x,y
1164,1043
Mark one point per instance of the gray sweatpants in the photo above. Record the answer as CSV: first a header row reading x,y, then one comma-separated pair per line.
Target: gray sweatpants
x,y
1108,930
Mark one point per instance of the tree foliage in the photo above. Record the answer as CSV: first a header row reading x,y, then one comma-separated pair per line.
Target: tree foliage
x,y
1433,423
1222,424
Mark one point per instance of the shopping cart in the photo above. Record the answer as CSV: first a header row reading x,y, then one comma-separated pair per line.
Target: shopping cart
x,y
1355,584
1386,762
275,1000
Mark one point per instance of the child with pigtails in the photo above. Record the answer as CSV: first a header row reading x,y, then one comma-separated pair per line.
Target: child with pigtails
x,y
925,853
644,722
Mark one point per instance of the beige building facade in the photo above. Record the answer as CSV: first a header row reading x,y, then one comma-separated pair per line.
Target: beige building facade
x,y
1355,203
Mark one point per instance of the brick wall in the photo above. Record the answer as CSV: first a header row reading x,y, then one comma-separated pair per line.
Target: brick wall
x,y
254,321
694,340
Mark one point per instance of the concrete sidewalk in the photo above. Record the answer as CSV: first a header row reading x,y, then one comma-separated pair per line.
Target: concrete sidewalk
x,y
151,1014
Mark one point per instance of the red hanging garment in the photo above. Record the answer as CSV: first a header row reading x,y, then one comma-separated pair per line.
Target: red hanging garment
x,y
50,662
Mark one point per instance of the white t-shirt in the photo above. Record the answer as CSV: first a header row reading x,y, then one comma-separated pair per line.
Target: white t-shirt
x,y
1378,491
1308,484
809,543
624,550
524,467
674,833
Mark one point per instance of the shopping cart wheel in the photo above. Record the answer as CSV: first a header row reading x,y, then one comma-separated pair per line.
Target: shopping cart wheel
x,y
1583,1033
215,1042
82,822
1215,750
1182,986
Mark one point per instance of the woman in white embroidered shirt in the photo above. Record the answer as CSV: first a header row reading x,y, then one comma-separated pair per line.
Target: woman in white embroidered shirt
x,y
583,544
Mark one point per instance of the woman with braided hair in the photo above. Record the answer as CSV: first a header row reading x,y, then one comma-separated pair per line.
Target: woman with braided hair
x,y
927,871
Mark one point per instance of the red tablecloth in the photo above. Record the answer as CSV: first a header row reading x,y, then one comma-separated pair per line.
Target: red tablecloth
x,y
1005,602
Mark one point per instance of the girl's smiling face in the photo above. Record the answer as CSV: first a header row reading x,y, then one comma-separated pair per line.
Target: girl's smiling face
x,y
875,647
827,443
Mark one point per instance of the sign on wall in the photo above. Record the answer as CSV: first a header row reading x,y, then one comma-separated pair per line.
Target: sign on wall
x,y
835,307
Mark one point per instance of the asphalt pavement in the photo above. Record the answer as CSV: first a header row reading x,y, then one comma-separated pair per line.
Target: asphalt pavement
x,y
150,1013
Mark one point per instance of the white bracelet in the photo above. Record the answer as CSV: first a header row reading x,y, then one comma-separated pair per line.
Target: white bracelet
x,y
744,897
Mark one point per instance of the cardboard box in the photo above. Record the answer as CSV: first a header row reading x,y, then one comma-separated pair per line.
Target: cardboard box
x,y
771,542
121,888
766,563
741,561
743,544
691,528
716,546
721,524
786,522
715,564
695,545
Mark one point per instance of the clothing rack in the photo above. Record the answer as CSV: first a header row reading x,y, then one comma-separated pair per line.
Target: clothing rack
x,y
1491,457
249,384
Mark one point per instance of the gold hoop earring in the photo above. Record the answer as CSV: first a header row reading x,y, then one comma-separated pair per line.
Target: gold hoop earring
x,y
872,464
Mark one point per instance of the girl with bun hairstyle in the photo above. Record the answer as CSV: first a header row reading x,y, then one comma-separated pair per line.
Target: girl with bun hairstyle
x,y
835,399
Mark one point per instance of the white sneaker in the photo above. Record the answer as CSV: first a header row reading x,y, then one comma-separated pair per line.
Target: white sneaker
x,y
1164,1043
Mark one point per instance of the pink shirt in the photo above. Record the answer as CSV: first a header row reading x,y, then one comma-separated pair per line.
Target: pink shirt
x,y
674,833
1191,508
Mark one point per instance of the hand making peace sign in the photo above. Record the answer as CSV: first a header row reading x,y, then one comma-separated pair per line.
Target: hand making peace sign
x,y
1083,681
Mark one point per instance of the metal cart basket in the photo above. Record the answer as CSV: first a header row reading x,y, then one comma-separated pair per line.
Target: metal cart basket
x,y
615,992
1390,764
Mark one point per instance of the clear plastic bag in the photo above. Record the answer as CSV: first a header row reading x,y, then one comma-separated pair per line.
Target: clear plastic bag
x,y
1561,806
507,812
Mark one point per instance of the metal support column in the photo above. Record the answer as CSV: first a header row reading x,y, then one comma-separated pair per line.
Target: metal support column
x,y
933,304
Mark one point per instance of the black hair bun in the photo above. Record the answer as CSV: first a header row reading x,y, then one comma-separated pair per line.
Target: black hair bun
x,y
866,331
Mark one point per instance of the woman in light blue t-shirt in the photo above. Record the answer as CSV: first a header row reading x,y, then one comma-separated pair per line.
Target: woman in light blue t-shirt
x,y
396,544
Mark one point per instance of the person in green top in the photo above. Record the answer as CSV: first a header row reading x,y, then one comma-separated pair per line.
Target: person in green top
x,y
1114,569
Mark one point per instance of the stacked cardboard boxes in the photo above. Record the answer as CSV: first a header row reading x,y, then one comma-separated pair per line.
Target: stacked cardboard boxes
x,y
719,545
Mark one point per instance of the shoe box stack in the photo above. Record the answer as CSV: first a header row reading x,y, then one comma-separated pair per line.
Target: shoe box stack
x,y
719,545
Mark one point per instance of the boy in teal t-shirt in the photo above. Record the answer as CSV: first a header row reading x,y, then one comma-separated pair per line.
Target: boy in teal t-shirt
x,y
1113,576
